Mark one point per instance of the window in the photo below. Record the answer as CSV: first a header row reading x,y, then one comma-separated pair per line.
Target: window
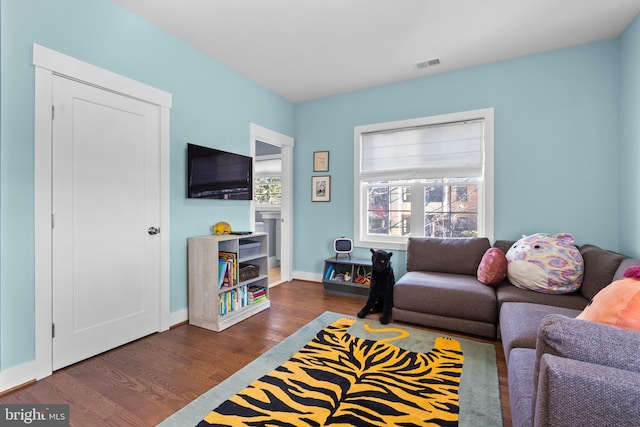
x,y
268,190
267,184
431,176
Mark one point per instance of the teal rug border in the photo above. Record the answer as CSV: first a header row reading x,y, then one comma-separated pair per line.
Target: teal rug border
x,y
479,387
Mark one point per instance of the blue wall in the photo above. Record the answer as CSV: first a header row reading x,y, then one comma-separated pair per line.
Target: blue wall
x,y
556,145
212,105
630,140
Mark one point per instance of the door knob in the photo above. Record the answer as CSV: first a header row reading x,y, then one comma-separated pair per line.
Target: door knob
x,y
153,230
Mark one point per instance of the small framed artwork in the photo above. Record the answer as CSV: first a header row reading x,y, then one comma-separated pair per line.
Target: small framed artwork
x,y
321,161
321,188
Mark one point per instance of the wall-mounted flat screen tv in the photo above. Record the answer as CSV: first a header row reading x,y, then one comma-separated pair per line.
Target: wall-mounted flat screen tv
x,y
217,174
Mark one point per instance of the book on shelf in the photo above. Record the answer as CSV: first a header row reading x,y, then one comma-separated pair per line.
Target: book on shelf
x,y
259,297
335,275
238,298
330,271
256,289
230,277
257,294
233,300
222,272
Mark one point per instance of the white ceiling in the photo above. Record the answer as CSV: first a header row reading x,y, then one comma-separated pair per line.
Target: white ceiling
x,y
309,49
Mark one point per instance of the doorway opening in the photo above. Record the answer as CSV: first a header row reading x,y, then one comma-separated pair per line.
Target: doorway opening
x,y
268,202
271,206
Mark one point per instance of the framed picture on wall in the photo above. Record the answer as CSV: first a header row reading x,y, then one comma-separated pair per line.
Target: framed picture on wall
x,y
321,161
321,188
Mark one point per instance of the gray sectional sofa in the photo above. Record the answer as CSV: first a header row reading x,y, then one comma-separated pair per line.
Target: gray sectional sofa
x,y
562,371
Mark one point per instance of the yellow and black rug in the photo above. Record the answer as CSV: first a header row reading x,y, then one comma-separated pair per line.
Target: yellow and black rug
x,y
367,351
341,379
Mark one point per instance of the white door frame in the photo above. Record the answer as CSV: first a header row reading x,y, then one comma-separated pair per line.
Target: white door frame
x,y
259,133
48,62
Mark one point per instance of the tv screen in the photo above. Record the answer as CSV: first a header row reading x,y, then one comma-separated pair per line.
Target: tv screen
x,y
217,174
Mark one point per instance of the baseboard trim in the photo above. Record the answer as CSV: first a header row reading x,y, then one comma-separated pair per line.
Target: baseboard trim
x,y
178,317
21,376
309,277
18,387
177,325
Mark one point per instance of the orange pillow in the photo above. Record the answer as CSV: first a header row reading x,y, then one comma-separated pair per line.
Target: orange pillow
x,y
618,304
493,267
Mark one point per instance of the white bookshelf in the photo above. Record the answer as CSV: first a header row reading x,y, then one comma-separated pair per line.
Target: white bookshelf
x,y
204,291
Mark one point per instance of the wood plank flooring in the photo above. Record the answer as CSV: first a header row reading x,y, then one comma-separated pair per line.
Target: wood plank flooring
x,y
144,382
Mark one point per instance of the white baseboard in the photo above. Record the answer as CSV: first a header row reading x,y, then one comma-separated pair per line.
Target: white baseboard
x,y
310,277
18,375
179,316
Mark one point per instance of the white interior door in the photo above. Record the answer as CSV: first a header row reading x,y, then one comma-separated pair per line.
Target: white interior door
x,y
106,204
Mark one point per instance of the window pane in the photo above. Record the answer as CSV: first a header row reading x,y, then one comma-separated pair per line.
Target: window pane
x,y
268,190
389,210
451,211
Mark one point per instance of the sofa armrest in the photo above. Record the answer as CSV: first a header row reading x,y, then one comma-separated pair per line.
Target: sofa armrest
x,y
576,393
588,342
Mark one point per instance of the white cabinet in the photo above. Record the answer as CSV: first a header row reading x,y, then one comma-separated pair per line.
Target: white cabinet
x,y
214,303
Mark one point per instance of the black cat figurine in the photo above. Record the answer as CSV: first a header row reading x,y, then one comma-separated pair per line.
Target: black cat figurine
x,y
381,288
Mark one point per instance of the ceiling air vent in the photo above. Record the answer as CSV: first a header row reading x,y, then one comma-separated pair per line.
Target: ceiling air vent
x,y
421,65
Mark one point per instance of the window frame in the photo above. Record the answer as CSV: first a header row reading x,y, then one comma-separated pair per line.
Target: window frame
x,y
485,185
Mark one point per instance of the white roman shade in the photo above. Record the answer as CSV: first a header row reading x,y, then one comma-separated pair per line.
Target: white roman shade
x,y
268,167
438,151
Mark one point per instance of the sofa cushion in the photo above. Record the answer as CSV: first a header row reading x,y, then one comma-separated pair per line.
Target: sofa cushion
x,y
453,295
599,267
466,326
493,267
519,323
457,256
506,292
504,245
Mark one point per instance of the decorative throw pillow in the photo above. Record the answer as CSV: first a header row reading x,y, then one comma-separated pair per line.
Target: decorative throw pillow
x,y
493,267
617,304
545,263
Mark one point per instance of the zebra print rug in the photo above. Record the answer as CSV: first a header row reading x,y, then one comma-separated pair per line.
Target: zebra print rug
x,y
357,372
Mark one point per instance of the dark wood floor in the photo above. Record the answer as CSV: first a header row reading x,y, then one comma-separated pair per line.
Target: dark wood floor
x,y
144,382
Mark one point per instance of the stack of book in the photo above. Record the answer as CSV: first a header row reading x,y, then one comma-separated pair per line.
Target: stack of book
x,y
257,294
233,300
227,269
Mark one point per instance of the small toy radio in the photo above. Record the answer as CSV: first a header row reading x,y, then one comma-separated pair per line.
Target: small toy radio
x,y
343,246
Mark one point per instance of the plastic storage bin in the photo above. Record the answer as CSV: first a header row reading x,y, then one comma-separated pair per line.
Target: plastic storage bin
x,y
249,248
